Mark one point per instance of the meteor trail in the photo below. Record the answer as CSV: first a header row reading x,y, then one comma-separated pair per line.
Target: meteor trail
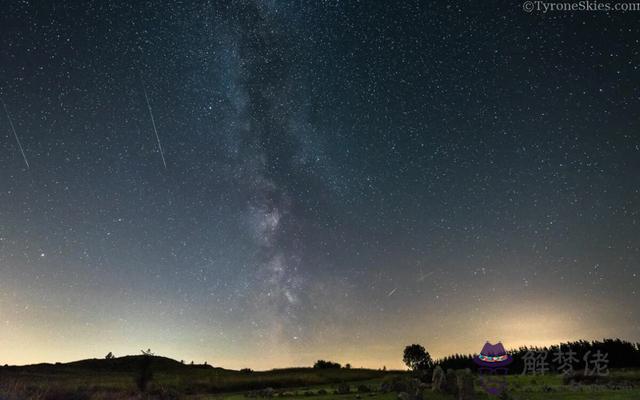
x,y
14,133
153,121
423,276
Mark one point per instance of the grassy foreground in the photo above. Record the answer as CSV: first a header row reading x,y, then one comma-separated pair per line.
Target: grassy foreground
x,y
120,379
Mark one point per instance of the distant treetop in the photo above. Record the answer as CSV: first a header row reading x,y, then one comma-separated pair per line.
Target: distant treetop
x,y
322,364
416,357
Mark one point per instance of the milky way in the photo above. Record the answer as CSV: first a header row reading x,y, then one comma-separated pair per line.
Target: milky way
x,y
318,180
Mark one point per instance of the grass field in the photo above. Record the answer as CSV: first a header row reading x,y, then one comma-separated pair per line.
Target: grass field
x,y
97,380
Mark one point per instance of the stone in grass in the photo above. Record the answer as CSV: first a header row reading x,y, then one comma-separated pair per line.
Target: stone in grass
x,y
505,395
466,390
267,392
399,386
450,385
408,396
414,386
363,389
343,388
404,396
438,380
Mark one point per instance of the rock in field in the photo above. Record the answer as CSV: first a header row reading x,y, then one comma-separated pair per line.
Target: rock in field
x,y
438,380
363,389
450,385
343,388
410,396
466,389
404,396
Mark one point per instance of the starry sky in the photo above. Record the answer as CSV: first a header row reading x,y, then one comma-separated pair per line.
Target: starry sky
x,y
263,184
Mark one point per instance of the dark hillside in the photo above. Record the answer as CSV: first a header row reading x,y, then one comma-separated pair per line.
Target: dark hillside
x,y
126,364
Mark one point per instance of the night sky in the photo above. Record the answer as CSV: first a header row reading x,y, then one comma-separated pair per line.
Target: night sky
x,y
324,179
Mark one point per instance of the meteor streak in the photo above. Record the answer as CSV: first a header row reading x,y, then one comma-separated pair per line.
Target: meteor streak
x,y
153,121
14,133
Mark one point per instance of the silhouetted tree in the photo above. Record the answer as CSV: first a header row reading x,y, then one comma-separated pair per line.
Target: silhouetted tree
x,y
416,357
147,353
322,364
347,366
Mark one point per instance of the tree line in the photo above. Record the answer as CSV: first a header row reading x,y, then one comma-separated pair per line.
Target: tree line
x,y
619,354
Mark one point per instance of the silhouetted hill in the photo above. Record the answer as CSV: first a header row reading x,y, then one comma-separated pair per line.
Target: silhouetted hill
x,y
122,375
119,364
